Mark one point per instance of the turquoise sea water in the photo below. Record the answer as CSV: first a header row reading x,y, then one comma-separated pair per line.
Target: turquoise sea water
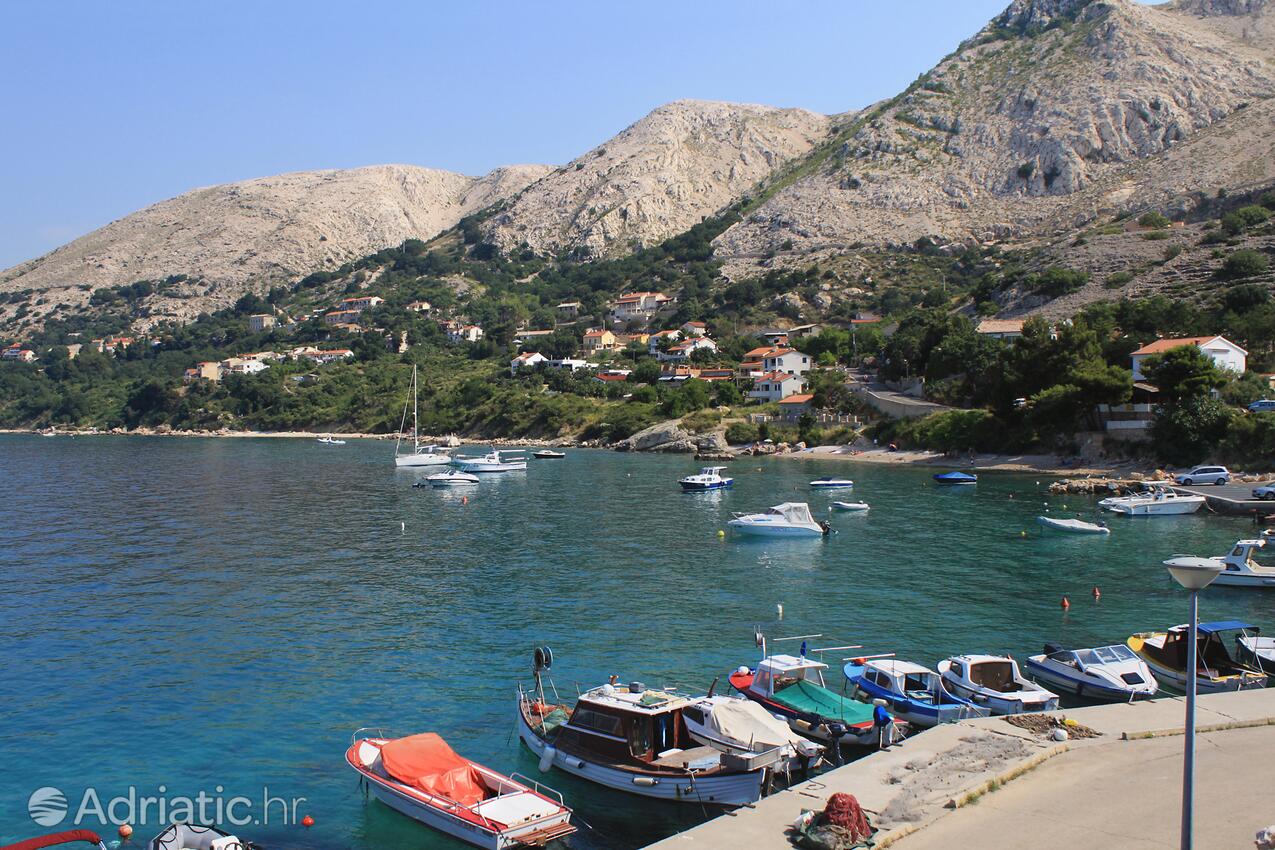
x,y
196,613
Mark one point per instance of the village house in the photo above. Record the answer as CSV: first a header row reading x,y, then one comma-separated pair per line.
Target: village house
x,y
661,338
694,329
774,338
526,360
638,306
364,302
206,370
465,333
260,322
802,331
418,307
792,407
681,351
345,318
569,363
751,367
613,375
263,356
523,337
715,375
774,386
73,350
600,340
677,374
625,340
1000,328
331,355
241,366
17,353
786,360
568,310
1226,354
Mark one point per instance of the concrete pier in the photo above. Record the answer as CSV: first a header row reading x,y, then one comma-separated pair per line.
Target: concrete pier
x,y
990,784
1236,499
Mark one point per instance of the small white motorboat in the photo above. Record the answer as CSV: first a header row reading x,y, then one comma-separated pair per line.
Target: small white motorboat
x,y
422,777
548,454
741,726
329,440
1216,671
912,693
1158,501
995,683
709,478
850,506
1072,526
1239,569
1107,673
828,482
791,519
452,478
493,461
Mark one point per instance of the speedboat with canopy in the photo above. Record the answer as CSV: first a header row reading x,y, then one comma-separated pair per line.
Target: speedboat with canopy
x,y
452,478
1157,501
912,692
994,682
737,725
1107,673
422,777
1239,567
1217,671
791,519
420,455
709,478
955,478
635,739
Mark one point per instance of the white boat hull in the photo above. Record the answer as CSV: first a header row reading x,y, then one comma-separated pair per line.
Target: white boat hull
x,y
850,506
1023,703
736,789
478,468
759,530
1072,526
1153,507
1176,679
421,460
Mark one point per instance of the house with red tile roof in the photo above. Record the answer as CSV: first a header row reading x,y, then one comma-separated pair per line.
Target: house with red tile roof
x,y
774,386
1226,354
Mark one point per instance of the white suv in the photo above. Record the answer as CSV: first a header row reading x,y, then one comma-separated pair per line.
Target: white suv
x,y
1205,475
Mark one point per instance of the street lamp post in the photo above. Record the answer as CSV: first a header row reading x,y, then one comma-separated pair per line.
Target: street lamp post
x,y
1194,574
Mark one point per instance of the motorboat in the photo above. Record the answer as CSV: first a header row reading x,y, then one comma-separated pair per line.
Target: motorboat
x,y
912,692
420,455
955,478
548,454
493,461
1216,671
793,687
791,519
452,478
1106,673
734,724
828,483
329,440
1239,568
422,777
634,739
189,836
1255,650
995,683
709,478
1072,526
1157,501
850,506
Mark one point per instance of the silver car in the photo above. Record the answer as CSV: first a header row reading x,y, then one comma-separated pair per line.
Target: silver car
x,y
1218,475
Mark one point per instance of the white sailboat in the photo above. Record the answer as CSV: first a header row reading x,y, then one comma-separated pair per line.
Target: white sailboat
x,y
420,456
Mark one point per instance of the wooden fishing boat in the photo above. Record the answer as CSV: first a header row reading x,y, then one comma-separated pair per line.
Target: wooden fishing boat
x,y
1216,670
634,739
422,777
734,724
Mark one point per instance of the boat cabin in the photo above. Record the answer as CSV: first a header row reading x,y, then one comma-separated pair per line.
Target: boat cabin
x,y
632,724
1099,656
1241,557
1211,652
901,677
780,671
797,513
992,672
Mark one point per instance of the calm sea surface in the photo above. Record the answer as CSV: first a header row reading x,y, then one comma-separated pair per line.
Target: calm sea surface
x,y
205,614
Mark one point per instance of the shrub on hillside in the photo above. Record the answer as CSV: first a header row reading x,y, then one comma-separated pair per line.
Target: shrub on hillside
x,y
1153,220
1117,280
1245,263
739,433
1056,281
1237,221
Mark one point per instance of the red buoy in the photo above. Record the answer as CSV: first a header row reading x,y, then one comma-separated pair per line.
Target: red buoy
x,y
307,821
125,831
1097,594
464,500
1066,603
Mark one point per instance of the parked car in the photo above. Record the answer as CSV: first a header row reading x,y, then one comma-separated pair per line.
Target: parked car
x,y
1264,405
1266,492
1204,475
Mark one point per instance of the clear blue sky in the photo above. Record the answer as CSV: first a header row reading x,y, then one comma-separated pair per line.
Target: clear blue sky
x,y
110,106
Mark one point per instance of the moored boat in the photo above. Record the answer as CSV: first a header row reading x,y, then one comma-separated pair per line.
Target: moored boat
x,y
548,454
850,506
190,836
828,482
1107,673
493,461
329,440
708,478
735,724
912,692
421,455
422,777
793,688
955,478
1216,670
995,683
634,739
452,478
791,519
1072,526
1158,501
1239,567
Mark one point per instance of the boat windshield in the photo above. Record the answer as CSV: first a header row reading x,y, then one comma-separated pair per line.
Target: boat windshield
x,y
1104,654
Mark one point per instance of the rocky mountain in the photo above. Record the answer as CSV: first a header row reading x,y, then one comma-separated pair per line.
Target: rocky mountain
x,y
657,178
1056,112
244,236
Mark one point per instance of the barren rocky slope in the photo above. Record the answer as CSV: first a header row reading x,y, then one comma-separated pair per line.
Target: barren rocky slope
x,y
1031,126
245,236
657,178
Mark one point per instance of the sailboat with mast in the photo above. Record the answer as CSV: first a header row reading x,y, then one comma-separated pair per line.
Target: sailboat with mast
x,y
421,456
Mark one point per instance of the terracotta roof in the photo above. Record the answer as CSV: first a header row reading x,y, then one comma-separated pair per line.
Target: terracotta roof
x,y
760,352
611,377
779,376
780,352
697,324
797,399
1166,344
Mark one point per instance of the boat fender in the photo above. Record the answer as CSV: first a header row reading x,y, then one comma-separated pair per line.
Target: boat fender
x,y
578,764
546,759
646,781
802,725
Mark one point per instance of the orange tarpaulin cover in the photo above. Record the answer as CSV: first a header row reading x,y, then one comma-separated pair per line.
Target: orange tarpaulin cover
x,y
426,762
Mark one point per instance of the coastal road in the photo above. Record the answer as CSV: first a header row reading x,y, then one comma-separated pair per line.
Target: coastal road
x,y
1231,498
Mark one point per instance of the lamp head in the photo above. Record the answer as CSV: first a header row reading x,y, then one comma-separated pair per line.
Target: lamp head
x,y
1193,573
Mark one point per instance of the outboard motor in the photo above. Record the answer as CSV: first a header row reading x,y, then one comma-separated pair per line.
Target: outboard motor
x,y
836,731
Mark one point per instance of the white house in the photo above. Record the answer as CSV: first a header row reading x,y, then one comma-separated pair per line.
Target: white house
x,y
1226,354
681,351
786,360
694,329
526,360
242,366
22,355
1000,328
774,386
418,307
570,363
466,333
638,305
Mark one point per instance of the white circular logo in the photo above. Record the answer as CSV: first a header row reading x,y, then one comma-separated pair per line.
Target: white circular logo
x,y
47,806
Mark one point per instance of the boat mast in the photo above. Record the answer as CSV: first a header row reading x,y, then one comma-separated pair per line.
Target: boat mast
x,y
416,439
398,440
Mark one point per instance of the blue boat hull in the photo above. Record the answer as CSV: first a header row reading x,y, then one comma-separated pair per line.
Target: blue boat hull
x,y
700,488
918,713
